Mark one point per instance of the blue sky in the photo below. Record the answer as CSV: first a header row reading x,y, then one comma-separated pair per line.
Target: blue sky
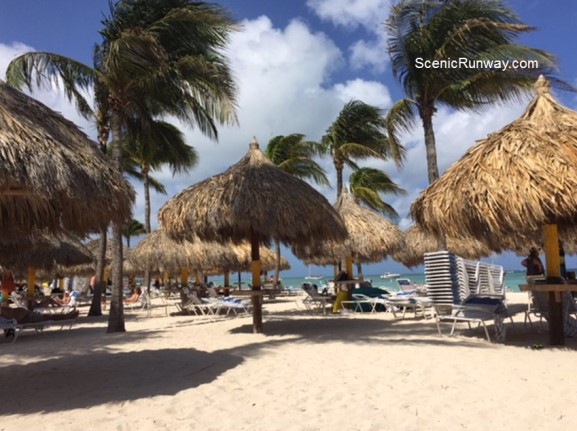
x,y
297,63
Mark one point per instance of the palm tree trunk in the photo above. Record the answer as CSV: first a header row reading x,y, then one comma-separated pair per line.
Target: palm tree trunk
x,y
147,224
360,271
116,315
146,182
277,263
430,144
426,113
339,170
96,304
100,285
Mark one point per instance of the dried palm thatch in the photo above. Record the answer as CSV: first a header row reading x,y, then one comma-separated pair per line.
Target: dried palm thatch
x,y
242,258
321,253
512,183
158,251
371,237
256,201
128,268
45,251
53,177
416,242
253,197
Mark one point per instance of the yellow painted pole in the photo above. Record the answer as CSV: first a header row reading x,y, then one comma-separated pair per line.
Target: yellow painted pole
x,y
106,275
553,263
31,275
255,269
184,276
197,279
350,268
165,278
556,330
61,284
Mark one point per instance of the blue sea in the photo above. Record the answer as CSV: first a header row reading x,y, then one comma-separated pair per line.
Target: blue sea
x,y
512,280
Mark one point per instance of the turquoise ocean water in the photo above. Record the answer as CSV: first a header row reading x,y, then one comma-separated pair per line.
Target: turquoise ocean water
x,y
512,280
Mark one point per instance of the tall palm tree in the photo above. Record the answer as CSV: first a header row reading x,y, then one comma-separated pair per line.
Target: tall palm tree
x,y
359,132
472,30
294,155
366,185
156,58
132,228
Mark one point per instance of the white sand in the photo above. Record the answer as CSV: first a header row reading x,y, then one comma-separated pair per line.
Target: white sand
x,y
307,372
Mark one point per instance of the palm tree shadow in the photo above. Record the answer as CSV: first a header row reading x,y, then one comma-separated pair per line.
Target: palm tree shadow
x,y
107,378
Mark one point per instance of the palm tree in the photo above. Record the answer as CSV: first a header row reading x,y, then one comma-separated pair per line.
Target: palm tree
x,y
295,156
366,185
359,132
164,146
132,228
473,30
156,58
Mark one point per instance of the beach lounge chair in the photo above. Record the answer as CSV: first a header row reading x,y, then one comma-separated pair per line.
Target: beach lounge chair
x,y
314,300
478,309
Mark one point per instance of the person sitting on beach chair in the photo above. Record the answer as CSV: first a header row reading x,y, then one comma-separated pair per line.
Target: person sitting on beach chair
x,y
22,315
135,296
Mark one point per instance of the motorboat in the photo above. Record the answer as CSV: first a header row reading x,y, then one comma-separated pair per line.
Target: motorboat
x,y
389,275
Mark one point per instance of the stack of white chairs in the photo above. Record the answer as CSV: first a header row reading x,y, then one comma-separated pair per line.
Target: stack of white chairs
x,y
473,290
441,278
491,279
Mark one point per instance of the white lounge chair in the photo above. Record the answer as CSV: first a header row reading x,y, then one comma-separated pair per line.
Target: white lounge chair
x,y
314,300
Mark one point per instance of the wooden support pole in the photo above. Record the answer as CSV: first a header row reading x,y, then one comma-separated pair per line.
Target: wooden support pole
x,y
30,281
556,330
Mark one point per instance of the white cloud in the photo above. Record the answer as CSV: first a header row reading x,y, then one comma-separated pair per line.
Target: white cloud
x,y
371,54
8,53
369,14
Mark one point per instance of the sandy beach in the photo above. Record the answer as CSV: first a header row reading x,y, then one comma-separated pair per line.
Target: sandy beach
x,y
306,372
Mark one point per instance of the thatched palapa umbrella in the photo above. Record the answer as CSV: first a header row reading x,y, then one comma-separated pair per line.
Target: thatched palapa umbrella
x,y
256,201
371,237
515,182
45,251
416,242
157,250
52,177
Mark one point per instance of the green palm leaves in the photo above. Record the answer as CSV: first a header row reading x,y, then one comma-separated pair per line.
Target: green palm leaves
x,y
483,30
359,132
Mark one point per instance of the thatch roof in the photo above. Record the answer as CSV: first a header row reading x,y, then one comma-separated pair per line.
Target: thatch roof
x,y
416,242
370,237
44,250
511,183
52,176
256,201
252,197
158,251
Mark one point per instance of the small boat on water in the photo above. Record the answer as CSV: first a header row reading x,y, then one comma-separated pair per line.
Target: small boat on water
x,y
314,277
389,275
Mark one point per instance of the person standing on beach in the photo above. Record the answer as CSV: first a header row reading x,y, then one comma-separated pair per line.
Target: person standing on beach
x,y
534,265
